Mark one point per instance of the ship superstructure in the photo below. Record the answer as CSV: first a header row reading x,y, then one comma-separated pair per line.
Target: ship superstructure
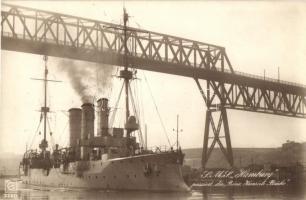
x,y
111,159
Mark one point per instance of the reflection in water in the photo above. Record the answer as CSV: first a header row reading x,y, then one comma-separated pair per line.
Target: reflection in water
x,y
35,193
94,195
57,194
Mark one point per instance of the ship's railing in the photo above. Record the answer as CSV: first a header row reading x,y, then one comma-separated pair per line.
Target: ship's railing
x,y
160,149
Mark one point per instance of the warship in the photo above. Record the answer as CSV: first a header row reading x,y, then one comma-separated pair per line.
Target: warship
x,y
111,159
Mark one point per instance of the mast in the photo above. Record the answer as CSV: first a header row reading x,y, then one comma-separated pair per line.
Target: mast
x,y
45,99
44,144
127,75
126,71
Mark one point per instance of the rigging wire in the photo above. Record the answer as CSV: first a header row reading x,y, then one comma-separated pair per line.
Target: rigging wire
x,y
50,133
159,116
63,131
33,138
138,107
137,117
141,107
59,136
112,119
136,98
142,113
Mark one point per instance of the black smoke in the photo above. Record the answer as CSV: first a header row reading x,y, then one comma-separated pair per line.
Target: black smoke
x,y
87,79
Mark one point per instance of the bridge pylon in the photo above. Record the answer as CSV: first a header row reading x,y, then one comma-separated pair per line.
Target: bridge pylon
x,y
215,123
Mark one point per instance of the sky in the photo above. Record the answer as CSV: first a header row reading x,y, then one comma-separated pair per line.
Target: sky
x,y
258,36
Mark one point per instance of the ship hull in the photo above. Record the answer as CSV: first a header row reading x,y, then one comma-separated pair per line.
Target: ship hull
x,y
152,172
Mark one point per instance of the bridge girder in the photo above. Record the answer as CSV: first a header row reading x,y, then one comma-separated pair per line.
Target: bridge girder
x,y
254,99
41,32
219,96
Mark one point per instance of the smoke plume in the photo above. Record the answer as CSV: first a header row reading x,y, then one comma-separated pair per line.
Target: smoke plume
x,y
88,81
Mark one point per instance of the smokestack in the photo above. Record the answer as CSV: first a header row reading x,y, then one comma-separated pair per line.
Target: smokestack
x,y
88,117
75,117
103,113
87,127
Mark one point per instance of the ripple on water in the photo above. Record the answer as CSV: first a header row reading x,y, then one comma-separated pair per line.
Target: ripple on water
x,y
35,193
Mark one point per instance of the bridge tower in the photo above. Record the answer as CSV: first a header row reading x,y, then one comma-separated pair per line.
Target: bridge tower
x,y
216,121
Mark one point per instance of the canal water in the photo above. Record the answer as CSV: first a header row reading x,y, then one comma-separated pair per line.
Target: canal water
x,y
36,193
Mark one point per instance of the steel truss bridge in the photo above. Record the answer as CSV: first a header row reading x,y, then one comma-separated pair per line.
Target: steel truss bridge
x,y
47,33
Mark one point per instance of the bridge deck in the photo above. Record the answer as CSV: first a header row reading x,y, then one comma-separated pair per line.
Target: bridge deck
x,y
41,32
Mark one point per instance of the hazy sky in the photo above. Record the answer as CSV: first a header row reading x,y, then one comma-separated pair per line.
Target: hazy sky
x,y
257,36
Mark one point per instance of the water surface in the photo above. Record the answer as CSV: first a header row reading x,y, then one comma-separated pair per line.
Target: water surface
x,y
35,193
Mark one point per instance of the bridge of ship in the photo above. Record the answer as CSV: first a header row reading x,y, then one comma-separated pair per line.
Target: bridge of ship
x,y
47,33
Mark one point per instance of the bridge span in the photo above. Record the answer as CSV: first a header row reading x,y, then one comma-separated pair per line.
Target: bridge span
x,y
47,33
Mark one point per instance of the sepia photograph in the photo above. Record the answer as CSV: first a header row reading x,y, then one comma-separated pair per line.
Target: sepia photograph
x,y
152,99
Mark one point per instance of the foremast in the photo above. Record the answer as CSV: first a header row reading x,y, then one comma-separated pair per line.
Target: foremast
x,y
127,75
45,109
